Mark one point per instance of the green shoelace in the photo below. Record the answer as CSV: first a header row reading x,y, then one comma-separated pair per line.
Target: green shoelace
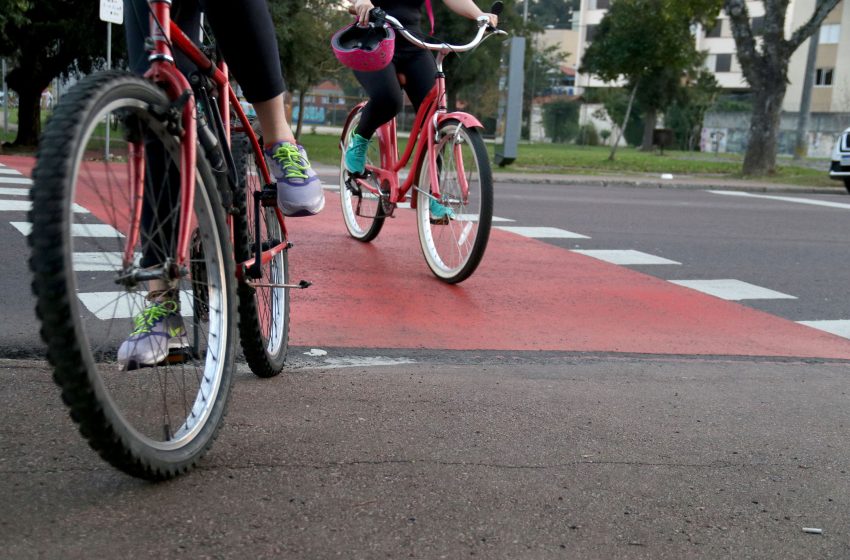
x,y
293,162
145,320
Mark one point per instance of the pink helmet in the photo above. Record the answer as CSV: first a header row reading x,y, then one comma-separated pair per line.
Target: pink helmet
x,y
365,48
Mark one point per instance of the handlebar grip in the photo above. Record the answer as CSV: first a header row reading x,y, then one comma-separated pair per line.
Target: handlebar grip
x,y
497,8
377,15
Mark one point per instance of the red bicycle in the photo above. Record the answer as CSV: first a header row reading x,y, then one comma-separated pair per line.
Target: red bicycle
x,y
181,183
450,168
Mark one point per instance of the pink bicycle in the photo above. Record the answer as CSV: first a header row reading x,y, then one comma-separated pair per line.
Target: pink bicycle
x,y
450,167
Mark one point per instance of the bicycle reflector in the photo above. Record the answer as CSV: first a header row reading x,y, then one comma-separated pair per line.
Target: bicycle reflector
x,y
365,48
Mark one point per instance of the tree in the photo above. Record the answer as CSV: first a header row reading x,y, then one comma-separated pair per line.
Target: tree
x,y
542,64
687,113
303,32
765,67
474,75
48,40
648,43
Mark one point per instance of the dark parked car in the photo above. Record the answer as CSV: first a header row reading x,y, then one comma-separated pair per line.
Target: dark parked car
x,y
840,167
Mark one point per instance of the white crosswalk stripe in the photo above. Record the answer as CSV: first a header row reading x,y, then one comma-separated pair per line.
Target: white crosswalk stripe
x,y
26,206
8,171
836,327
123,305
77,230
15,180
795,200
14,192
625,257
542,232
730,289
98,262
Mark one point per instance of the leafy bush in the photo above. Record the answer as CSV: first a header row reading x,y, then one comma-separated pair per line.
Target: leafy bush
x,y
587,135
560,119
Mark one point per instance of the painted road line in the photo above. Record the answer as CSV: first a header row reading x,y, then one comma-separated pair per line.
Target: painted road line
x,y
542,232
624,257
124,305
838,327
15,180
361,361
461,217
733,290
7,171
98,262
77,230
26,206
14,192
810,201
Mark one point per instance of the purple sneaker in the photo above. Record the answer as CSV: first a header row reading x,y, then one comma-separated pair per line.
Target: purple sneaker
x,y
299,190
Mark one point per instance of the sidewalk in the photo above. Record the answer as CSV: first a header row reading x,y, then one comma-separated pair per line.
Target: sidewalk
x,y
642,180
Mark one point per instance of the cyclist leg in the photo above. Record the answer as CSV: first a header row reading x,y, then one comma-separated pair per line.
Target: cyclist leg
x,y
247,40
385,102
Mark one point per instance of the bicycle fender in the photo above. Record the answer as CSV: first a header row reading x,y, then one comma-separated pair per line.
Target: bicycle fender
x,y
465,119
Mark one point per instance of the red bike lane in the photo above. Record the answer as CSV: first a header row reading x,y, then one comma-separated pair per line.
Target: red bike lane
x,y
526,295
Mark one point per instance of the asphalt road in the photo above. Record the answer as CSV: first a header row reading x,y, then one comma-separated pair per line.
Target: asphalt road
x,y
487,455
494,454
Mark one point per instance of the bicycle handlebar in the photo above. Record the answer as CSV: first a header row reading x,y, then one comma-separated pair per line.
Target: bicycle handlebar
x,y
484,31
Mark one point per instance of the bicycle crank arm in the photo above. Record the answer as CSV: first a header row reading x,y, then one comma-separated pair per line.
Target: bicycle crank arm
x,y
299,286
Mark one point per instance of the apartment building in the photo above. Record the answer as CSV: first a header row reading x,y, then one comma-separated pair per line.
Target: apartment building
x,y
831,90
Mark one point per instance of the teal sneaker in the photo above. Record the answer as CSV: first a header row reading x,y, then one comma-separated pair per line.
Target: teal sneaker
x,y
355,155
159,337
299,190
440,214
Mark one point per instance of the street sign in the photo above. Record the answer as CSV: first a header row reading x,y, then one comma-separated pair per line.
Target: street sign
x,y
112,11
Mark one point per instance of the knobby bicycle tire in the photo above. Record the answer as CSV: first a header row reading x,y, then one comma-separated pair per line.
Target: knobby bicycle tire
x,y
453,247
85,367
263,312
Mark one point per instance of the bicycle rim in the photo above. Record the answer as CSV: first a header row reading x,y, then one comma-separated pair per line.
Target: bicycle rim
x,y
263,310
361,208
453,246
155,421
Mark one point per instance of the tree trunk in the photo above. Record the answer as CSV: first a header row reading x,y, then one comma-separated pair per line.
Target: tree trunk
x,y
801,146
301,95
622,129
760,158
651,118
29,118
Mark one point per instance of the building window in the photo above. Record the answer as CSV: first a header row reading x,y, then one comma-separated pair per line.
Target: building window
x,y
600,4
757,25
589,33
829,34
823,77
716,30
723,63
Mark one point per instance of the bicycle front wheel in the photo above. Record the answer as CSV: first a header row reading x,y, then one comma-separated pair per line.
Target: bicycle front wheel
x,y
263,310
362,209
454,228
155,414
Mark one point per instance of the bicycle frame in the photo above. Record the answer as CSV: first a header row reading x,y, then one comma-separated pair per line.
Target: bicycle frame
x,y
163,71
432,112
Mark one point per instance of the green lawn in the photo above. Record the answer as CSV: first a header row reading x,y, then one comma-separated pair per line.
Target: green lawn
x,y
593,160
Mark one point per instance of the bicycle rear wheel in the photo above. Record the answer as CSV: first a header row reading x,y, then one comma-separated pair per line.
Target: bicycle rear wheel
x,y
154,422
454,242
361,208
263,311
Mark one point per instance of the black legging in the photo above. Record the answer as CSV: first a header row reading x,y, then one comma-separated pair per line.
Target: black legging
x,y
243,31
384,90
